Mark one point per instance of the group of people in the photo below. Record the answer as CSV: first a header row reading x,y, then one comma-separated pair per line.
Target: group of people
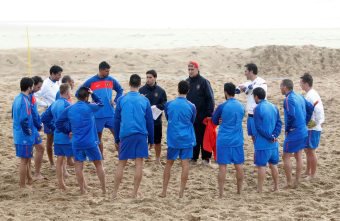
x,y
76,128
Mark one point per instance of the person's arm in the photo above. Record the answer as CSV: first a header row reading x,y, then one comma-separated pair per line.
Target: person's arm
x,y
97,102
319,113
209,99
163,101
36,117
277,130
118,88
62,124
217,115
289,107
47,118
116,122
23,117
166,110
193,117
149,124
309,110
40,96
259,125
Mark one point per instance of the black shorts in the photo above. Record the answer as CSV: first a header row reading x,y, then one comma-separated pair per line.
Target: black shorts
x,y
158,133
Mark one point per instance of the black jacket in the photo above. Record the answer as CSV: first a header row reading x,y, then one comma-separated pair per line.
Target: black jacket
x,y
202,96
156,96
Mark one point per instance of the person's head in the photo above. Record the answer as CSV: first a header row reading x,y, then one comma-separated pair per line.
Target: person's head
x,y
83,93
259,94
67,79
65,90
55,72
151,77
183,87
286,86
135,81
193,68
250,71
38,81
229,90
104,69
306,82
26,85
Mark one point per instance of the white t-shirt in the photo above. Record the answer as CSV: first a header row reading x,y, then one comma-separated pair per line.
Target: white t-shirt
x,y
318,115
258,82
46,96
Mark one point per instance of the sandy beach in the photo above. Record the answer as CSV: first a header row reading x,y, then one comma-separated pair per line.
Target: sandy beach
x,y
317,200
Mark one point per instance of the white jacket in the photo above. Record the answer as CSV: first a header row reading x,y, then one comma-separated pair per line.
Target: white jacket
x,y
318,115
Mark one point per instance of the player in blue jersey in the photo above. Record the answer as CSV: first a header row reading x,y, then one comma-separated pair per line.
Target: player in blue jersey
x,y
181,139
297,113
229,143
267,129
102,85
62,142
79,119
23,130
133,128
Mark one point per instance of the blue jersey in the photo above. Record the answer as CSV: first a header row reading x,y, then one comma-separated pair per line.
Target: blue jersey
x,y
35,113
23,126
51,115
181,115
103,87
267,125
297,113
57,96
133,116
79,119
230,132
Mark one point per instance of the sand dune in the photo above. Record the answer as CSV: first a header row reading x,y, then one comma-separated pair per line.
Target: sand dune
x,y
318,200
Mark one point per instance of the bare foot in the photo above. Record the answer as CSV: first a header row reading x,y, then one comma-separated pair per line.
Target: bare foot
x,y
162,195
275,189
38,177
66,174
52,166
288,186
136,195
63,187
83,192
180,194
29,181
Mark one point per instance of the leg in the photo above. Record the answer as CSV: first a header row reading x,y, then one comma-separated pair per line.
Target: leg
x,y
118,176
184,177
221,178
299,164
70,161
239,177
65,172
166,176
39,153
261,174
287,165
100,174
138,176
23,172
101,146
29,174
314,163
49,150
197,148
60,173
308,166
158,149
80,176
275,175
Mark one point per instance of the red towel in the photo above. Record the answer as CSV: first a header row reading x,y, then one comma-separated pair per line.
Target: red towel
x,y
209,139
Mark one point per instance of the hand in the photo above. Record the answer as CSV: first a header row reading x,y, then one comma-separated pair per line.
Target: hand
x,y
117,146
90,91
242,88
220,121
28,131
237,91
70,135
311,124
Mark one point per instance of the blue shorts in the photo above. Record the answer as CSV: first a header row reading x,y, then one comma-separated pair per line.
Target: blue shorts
x,y
102,123
132,147
294,146
48,130
230,155
63,150
181,153
90,154
313,139
262,157
37,138
24,151
251,126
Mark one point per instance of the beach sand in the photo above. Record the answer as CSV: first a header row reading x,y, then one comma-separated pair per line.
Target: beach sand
x,y
317,200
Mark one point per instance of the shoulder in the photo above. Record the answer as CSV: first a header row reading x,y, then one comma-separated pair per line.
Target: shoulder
x,y
160,89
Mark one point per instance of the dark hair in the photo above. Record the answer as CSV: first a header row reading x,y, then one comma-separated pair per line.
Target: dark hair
x,y
66,79
55,69
260,93
26,83
37,80
135,80
152,72
183,87
288,84
83,93
251,67
104,65
230,88
64,88
307,78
